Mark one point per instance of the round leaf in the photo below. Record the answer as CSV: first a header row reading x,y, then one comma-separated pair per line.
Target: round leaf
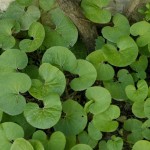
x,y
81,146
142,144
73,120
45,117
86,78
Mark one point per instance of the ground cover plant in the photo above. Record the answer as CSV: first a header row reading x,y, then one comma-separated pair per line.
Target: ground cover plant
x,y
58,93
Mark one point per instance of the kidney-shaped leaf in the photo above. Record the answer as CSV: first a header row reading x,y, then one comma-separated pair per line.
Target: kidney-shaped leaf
x,y
9,131
45,117
81,146
121,28
137,95
142,144
87,75
11,86
53,80
100,98
94,10
12,59
37,32
74,119
21,144
60,57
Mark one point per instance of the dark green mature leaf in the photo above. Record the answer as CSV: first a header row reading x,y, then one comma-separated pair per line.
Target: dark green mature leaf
x,y
9,131
37,32
94,11
100,98
12,85
21,144
121,28
62,33
52,81
45,117
60,57
74,119
86,77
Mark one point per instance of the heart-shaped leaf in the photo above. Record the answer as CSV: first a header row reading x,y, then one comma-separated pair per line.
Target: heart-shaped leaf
x,y
74,119
86,77
141,29
100,99
9,131
59,29
52,81
12,85
81,146
104,121
11,60
137,95
60,57
45,117
37,32
94,10
21,144
121,28
142,144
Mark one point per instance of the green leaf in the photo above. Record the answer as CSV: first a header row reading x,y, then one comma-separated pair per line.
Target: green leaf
x,y
117,88
141,29
46,4
52,81
93,132
100,98
135,127
24,2
59,29
60,57
9,131
121,58
86,77
94,10
45,117
36,31
81,146
37,145
104,121
73,120
138,109
84,138
21,144
137,94
121,28
12,85
11,60
142,144
57,141
147,108
7,26
70,142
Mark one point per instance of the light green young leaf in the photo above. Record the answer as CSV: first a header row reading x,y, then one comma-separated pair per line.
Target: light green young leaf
x,y
57,141
11,60
94,10
137,94
52,81
9,131
21,144
142,144
104,121
74,119
62,31
86,77
60,57
12,85
45,117
84,138
100,98
121,28
81,146
37,145
37,32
